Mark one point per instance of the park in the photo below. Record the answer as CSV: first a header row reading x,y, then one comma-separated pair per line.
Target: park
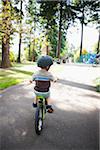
x,y
31,29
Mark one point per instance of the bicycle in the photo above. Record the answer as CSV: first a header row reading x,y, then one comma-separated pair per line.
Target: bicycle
x,y
40,114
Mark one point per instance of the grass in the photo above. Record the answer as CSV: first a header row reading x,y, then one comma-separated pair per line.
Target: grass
x,y
13,76
97,83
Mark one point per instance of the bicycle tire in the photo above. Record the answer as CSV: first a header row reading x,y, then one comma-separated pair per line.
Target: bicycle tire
x,y
38,120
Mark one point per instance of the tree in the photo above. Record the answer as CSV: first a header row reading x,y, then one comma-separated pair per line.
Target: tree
x,y
67,17
48,19
98,45
53,38
32,20
20,28
52,13
59,32
95,19
87,9
6,32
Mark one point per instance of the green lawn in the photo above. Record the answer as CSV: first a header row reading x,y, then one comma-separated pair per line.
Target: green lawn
x,y
97,83
13,76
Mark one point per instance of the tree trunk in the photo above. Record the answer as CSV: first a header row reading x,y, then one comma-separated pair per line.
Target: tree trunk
x,y
5,54
6,35
20,34
33,53
82,23
47,50
29,52
19,52
59,33
81,45
98,46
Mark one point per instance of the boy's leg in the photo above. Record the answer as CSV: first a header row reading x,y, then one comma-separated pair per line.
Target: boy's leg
x,y
49,106
35,101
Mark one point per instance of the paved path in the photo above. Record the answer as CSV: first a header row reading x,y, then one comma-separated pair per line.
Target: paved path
x,y
73,126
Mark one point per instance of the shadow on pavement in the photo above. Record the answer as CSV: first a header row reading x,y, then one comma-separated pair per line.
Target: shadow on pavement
x,y
76,84
62,130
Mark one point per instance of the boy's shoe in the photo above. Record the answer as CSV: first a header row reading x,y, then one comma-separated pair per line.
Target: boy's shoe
x,y
49,109
34,105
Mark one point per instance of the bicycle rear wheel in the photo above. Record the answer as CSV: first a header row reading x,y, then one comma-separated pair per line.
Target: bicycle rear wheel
x,y
38,120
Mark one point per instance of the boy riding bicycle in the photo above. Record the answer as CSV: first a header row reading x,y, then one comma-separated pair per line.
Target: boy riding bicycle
x,y
43,80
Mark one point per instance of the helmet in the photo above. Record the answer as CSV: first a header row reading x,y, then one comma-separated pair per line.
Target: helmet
x,y
44,61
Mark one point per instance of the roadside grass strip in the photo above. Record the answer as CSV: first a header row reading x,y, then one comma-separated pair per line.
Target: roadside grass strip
x,y
97,83
9,77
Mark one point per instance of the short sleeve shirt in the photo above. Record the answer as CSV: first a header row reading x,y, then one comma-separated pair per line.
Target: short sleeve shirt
x,y
42,79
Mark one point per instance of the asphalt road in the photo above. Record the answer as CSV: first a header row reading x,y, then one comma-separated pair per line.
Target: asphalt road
x,y
74,125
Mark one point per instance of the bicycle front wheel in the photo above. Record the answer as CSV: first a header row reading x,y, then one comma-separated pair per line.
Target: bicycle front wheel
x,y
38,121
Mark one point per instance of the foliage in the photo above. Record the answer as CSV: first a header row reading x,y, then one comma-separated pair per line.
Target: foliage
x,y
56,18
85,10
95,12
97,83
12,56
53,41
95,47
77,55
84,52
34,52
13,76
46,19
32,26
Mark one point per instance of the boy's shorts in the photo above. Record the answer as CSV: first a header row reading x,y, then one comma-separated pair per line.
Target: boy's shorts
x,y
44,94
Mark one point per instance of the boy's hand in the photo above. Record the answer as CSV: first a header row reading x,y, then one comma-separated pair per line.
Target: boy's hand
x,y
30,81
56,79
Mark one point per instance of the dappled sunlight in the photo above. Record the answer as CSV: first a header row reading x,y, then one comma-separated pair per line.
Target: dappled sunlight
x,y
29,95
15,97
71,73
1,78
75,106
28,68
14,74
75,99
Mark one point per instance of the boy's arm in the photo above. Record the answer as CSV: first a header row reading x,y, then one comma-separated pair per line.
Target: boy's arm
x,y
33,78
53,78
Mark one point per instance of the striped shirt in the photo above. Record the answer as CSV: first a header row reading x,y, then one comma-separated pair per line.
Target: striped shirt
x,y
42,80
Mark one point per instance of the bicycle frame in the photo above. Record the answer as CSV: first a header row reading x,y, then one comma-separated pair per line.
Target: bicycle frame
x,y
40,114
42,104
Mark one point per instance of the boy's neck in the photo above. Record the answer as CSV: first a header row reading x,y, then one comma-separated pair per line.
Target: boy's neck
x,y
46,69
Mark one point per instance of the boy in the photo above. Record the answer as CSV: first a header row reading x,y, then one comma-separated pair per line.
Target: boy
x,y
42,80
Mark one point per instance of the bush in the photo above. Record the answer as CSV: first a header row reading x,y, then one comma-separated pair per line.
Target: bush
x,y
97,83
0,57
12,56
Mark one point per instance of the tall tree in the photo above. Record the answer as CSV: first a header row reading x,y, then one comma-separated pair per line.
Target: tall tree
x,y
87,9
20,29
32,19
6,32
48,18
62,15
95,19
67,17
98,45
59,32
